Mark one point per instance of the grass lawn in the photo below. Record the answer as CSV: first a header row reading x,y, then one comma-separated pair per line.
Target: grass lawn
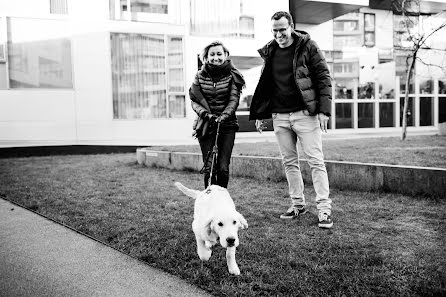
x,y
380,245
425,151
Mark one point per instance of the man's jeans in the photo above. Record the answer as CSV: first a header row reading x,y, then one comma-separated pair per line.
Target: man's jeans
x,y
225,142
288,128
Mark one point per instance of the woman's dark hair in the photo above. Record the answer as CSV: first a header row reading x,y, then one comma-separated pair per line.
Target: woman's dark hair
x,y
205,51
283,14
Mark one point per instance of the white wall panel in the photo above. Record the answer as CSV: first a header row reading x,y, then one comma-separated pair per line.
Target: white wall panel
x,y
37,115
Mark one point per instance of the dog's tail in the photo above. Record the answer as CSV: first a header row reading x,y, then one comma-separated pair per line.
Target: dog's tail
x,y
188,192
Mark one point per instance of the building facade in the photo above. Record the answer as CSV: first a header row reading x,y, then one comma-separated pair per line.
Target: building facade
x,y
118,71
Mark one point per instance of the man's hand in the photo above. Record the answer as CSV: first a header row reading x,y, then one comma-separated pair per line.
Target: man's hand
x,y
323,122
260,125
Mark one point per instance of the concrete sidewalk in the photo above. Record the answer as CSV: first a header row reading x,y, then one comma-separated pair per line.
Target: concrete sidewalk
x,y
39,257
241,137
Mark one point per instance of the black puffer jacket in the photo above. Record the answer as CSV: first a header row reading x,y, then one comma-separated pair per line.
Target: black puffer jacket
x,y
222,96
311,75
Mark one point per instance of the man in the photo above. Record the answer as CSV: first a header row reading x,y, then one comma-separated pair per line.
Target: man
x,y
295,90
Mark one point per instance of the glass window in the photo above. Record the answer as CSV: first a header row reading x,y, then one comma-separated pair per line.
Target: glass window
x,y
385,77
426,86
442,109
366,91
369,22
344,116
369,39
343,91
345,87
402,63
366,115
410,112
338,26
338,55
340,42
175,64
385,55
246,26
348,26
386,114
3,68
2,51
177,108
401,25
346,71
120,10
39,58
142,85
369,29
58,7
442,86
401,39
236,21
2,43
403,84
390,94
426,111
343,67
3,76
148,6
328,55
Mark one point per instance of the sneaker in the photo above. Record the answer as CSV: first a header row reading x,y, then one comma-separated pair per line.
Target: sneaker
x,y
325,220
293,212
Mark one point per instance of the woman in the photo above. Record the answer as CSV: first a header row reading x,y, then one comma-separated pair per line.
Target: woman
x,y
215,95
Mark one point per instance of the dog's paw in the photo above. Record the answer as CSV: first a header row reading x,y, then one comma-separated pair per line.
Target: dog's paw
x,y
234,270
205,254
208,244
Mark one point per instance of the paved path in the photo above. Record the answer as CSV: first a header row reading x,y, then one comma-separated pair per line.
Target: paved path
x,y
39,257
241,137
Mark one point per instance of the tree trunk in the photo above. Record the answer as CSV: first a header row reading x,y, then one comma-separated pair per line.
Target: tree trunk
x,y
406,96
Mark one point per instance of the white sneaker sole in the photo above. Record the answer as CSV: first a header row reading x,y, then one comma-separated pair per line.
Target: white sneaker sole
x,y
326,226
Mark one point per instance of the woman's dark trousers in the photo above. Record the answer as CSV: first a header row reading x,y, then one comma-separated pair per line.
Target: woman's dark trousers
x,y
225,143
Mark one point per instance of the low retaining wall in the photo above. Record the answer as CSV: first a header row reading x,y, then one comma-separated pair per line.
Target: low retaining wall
x,y
342,175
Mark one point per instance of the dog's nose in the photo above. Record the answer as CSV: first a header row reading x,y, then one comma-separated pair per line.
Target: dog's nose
x,y
230,241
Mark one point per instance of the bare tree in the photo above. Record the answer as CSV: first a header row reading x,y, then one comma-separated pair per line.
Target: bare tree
x,y
411,9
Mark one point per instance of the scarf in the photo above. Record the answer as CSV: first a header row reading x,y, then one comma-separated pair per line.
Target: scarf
x,y
217,71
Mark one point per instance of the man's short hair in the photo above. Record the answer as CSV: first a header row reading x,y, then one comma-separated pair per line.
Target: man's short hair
x,y
283,14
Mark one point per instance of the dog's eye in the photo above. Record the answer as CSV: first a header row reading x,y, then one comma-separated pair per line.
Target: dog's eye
x,y
235,222
220,224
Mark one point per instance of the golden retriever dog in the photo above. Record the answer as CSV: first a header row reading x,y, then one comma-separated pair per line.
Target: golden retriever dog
x,y
215,220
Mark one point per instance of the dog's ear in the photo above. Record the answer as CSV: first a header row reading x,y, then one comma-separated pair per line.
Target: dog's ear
x,y
242,221
188,192
209,226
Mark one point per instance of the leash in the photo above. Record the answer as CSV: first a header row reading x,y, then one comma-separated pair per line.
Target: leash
x,y
214,154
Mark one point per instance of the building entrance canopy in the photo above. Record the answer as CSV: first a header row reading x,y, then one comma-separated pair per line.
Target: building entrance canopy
x,y
318,11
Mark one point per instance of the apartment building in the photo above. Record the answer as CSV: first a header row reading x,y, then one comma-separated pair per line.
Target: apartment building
x,y
370,66
118,71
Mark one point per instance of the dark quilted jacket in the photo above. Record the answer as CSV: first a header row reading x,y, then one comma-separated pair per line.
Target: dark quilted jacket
x,y
222,96
311,75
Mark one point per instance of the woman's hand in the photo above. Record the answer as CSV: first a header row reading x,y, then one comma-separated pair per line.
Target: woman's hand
x,y
210,117
223,117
